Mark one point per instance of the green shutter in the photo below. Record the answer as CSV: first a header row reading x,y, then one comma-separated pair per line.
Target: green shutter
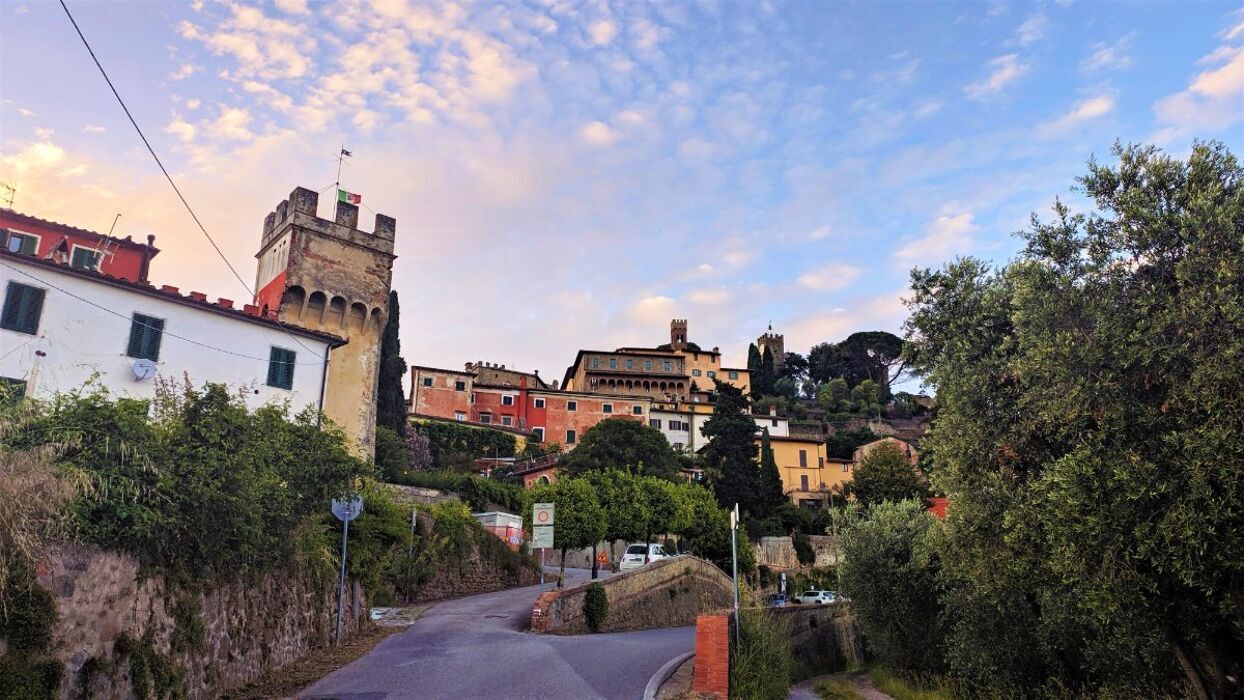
x,y
281,368
145,336
23,306
29,245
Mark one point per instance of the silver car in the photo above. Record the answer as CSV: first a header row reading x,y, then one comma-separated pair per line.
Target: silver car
x,y
815,597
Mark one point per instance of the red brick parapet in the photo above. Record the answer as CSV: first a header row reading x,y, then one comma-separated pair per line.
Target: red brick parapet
x,y
712,654
539,612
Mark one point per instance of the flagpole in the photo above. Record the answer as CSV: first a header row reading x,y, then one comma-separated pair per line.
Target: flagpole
x,y
341,155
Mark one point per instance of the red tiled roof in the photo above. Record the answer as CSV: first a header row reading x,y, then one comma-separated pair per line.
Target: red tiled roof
x,y
66,228
249,312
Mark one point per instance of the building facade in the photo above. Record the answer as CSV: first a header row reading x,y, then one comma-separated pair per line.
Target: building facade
x,y
332,277
64,328
123,258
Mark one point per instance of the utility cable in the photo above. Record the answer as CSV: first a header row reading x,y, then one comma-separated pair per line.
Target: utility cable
x,y
164,170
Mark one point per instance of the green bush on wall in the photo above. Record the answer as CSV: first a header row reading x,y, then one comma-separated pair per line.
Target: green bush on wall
x,y
595,606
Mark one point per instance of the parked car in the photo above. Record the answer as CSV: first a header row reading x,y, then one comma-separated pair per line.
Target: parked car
x,y
776,600
634,556
815,597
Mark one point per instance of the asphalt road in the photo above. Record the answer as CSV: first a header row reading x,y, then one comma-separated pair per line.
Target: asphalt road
x,y
476,648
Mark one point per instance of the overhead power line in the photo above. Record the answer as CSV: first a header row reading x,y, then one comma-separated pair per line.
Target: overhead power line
x,y
163,169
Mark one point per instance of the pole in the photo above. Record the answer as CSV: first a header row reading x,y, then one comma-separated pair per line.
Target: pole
x,y
542,569
734,557
340,157
413,514
341,590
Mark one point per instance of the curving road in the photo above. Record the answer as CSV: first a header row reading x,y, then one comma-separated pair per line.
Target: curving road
x,y
476,648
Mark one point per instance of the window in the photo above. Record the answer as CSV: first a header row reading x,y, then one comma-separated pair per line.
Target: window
x,y
734,375
656,423
595,363
711,374
637,410
669,366
145,335
507,420
613,363
459,416
803,458
572,405
427,381
803,482
695,372
774,421
677,425
485,418
461,386
507,400
281,368
846,467
539,432
607,408
820,462
23,306
85,258
539,403
630,364
647,365
11,390
570,437
23,243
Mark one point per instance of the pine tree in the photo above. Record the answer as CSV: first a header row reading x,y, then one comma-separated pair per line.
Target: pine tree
x,y
730,456
390,399
769,493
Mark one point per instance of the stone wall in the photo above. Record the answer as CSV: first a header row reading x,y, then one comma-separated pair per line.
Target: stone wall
x,y
667,593
778,553
823,638
473,576
248,628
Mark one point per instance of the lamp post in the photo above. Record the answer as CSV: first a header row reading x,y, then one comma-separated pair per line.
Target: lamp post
x,y
734,557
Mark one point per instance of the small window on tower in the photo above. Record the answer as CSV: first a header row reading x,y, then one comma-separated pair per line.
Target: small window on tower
x,y
539,403
427,381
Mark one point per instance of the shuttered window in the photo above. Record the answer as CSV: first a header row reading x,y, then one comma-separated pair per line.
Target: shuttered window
x,y
23,306
145,335
281,368
84,258
22,243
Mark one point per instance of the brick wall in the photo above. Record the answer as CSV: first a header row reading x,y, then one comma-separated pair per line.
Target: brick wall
x,y
712,654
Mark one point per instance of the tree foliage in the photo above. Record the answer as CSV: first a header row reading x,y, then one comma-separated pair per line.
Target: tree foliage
x,y
885,474
769,493
456,446
580,520
390,397
622,443
1089,438
730,455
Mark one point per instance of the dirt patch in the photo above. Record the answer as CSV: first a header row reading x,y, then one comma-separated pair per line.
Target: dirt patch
x,y
678,685
286,681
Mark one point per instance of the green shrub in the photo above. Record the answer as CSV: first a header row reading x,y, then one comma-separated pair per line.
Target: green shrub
x,y
760,658
152,674
451,442
23,679
803,549
479,493
596,606
189,632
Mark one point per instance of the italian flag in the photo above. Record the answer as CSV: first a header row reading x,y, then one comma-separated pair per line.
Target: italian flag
x,y
343,196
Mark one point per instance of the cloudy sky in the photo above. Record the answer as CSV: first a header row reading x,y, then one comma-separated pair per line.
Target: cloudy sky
x,y
575,174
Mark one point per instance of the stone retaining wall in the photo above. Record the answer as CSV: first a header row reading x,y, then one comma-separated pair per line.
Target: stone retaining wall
x,y
667,593
823,638
778,553
249,628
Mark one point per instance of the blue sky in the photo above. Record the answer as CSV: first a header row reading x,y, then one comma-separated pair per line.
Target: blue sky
x,y
575,174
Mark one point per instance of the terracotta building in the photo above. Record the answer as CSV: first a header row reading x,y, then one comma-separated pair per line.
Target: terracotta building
x,y
333,277
122,258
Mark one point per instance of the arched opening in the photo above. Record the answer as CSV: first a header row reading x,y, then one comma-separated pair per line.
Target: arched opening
x,y
358,316
663,386
377,320
315,307
336,316
542,480
292,301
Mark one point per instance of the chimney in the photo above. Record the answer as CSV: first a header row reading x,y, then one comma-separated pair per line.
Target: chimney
x,y
347,214
773,410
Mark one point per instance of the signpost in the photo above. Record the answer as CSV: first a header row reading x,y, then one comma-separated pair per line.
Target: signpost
x,y
734,558
345,510
783,590
542,532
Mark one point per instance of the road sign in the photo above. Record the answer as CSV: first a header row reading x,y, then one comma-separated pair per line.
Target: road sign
x,y
347,510
734,517
542,514
542,537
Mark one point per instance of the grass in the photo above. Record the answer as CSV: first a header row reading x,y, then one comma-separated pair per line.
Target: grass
x,y
837,689
904,688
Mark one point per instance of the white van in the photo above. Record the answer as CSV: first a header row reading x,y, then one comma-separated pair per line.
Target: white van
x,y
634,557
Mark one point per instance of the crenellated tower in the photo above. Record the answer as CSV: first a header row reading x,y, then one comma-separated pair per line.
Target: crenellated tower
x,y
331,276
776,345
678,334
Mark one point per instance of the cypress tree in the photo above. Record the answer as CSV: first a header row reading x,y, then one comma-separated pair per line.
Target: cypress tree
x,y
769,492
390,399
753,368
766,373
730,456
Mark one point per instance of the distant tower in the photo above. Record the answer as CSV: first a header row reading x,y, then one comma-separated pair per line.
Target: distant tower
x,y
330,276
678,334
776,345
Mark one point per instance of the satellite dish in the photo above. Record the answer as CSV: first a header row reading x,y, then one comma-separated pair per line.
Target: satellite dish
x,y
144,369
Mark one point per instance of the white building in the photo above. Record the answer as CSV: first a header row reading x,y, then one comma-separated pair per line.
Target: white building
x,y
62,328
683,424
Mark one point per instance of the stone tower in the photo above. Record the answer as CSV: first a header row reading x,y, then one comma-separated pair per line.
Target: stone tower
x,y
331,276
678,334
776,345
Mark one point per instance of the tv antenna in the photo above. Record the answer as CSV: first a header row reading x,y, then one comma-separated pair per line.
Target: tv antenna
x,y
12,192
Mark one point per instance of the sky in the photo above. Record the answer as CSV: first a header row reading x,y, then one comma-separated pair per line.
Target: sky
x,y
572,175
